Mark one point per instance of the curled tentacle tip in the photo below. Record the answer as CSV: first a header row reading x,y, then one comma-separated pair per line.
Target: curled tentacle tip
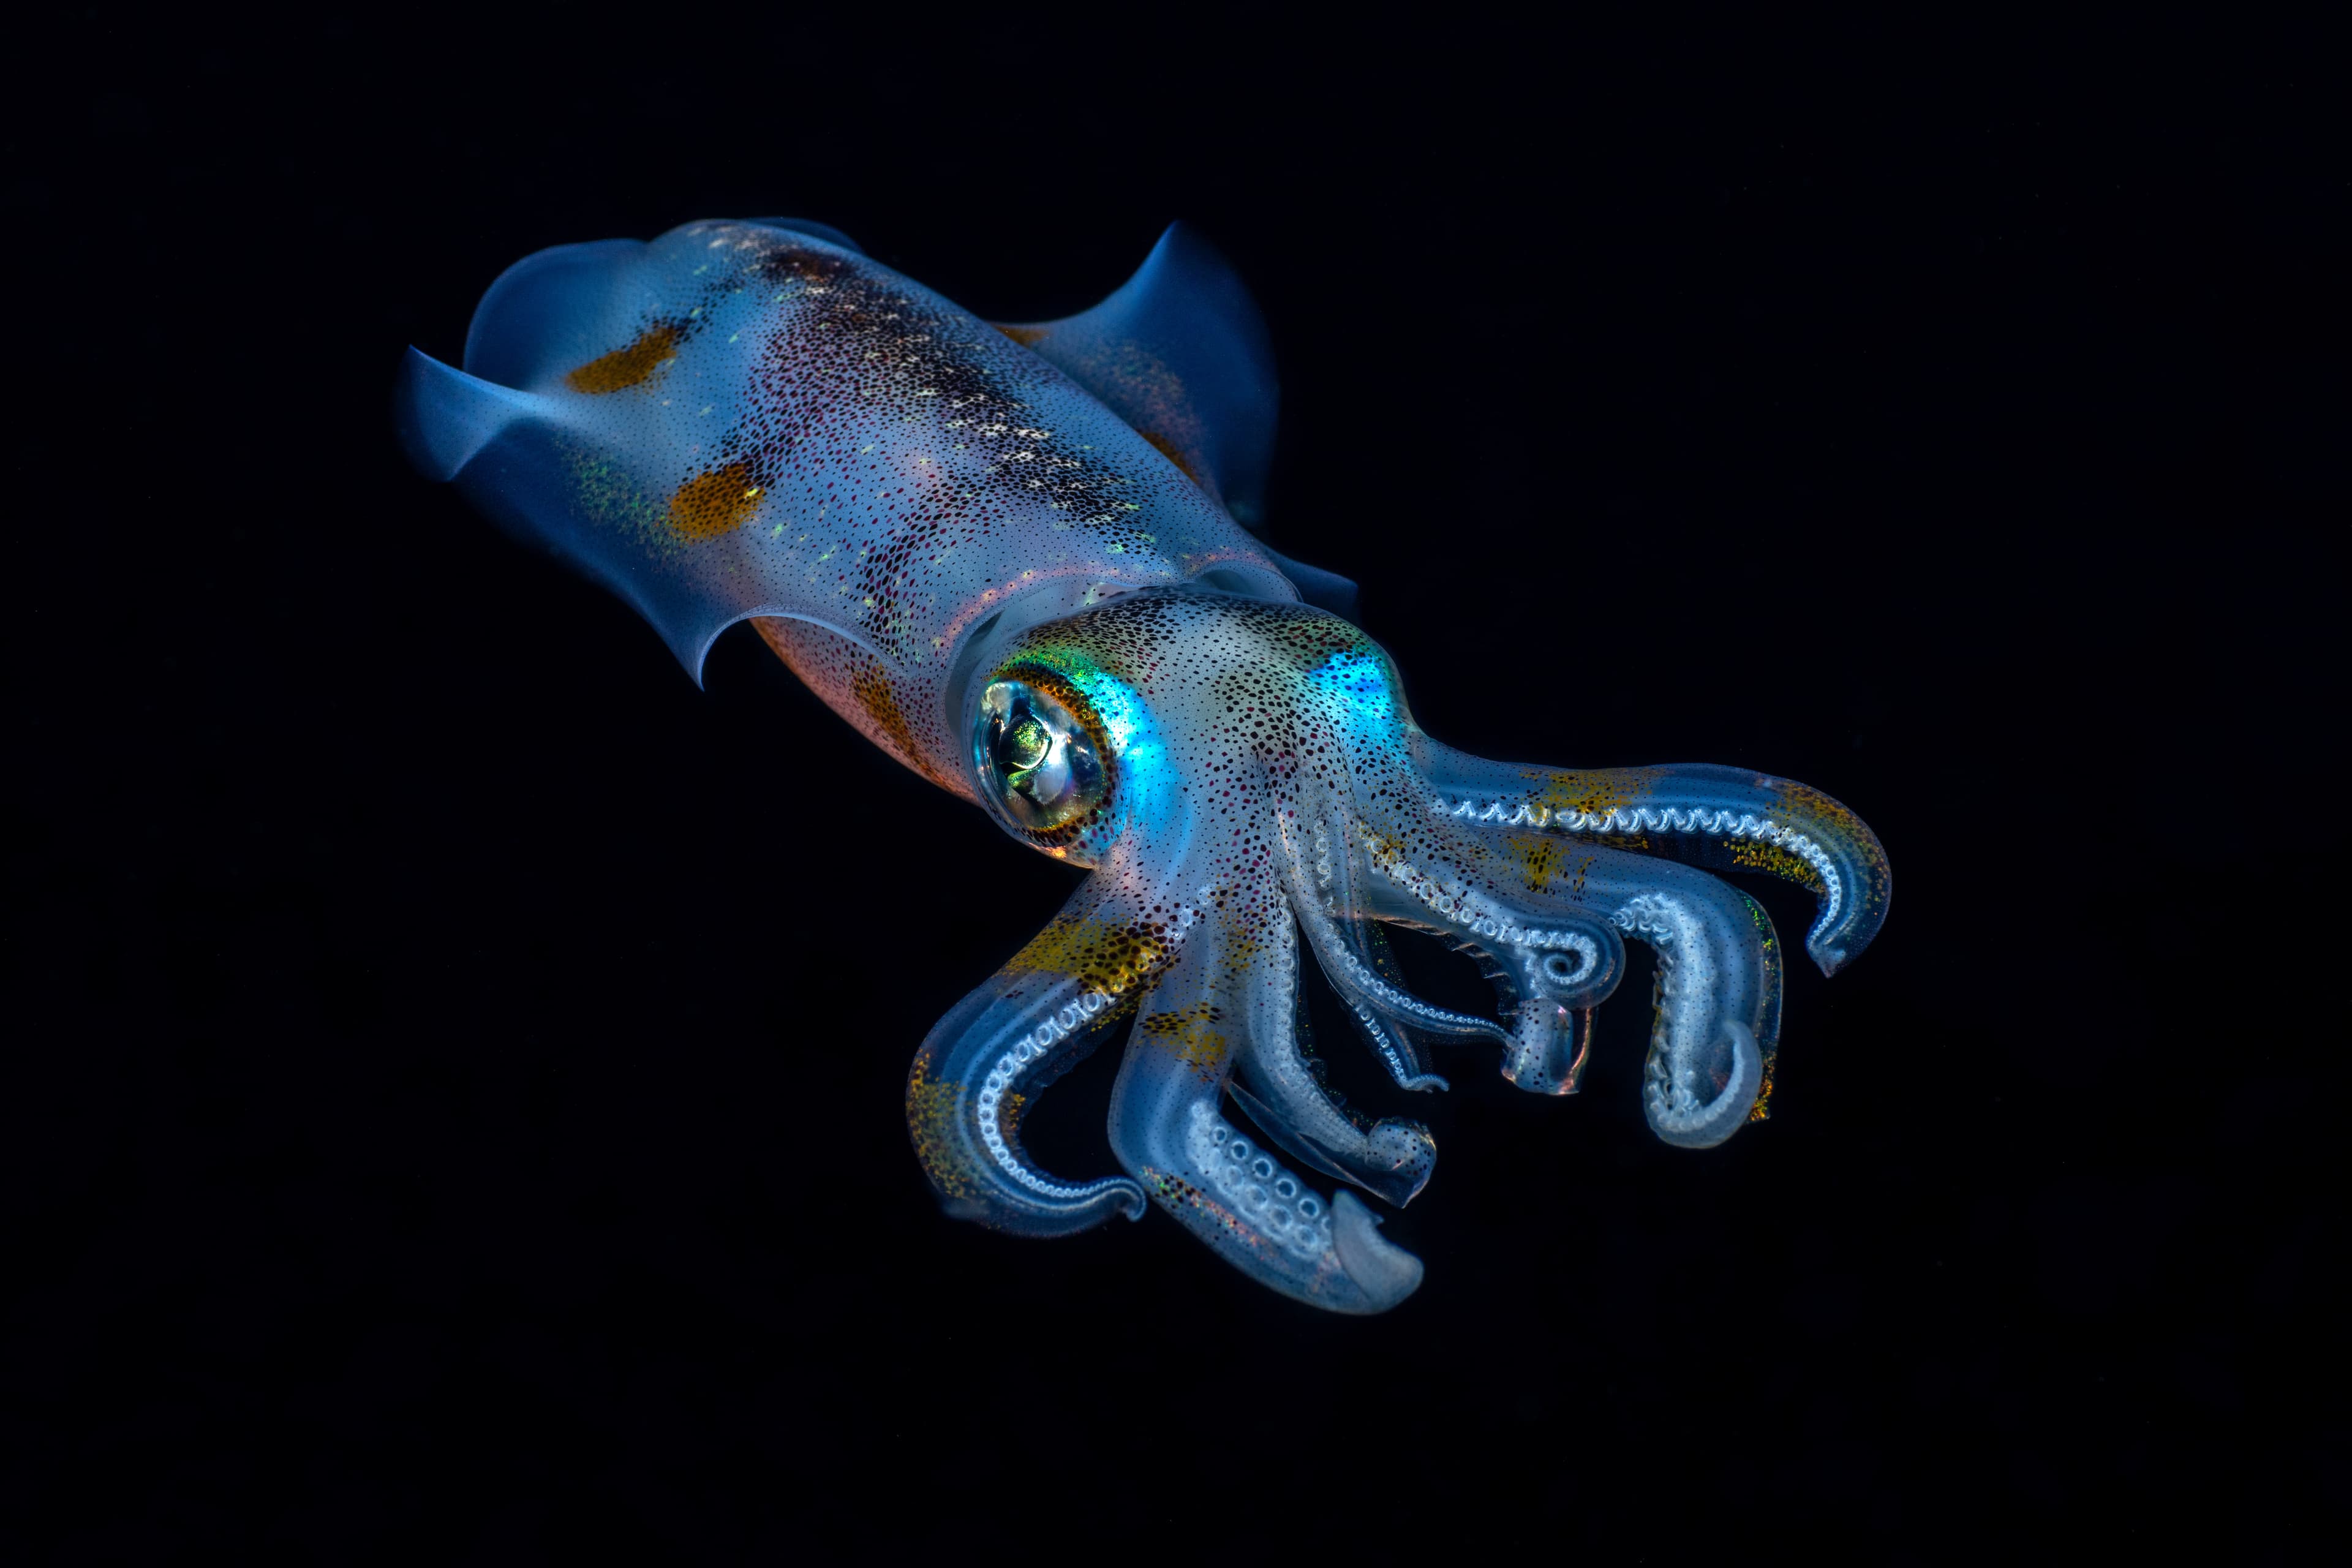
x,y
1113,1196
1676,1117
1426,1083
1384,1272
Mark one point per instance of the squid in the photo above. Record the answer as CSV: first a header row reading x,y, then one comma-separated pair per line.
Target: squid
x,y
1019,558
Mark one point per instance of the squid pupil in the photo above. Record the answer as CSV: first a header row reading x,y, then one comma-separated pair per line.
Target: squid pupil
x,y
1034,758
1020,746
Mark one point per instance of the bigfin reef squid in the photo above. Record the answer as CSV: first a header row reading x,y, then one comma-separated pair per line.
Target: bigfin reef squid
x,y
1019,559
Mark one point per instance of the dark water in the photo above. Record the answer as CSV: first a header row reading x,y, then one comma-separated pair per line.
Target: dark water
x,y
452,1096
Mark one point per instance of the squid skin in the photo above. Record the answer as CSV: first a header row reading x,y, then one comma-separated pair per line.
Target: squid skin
x,y
1013,557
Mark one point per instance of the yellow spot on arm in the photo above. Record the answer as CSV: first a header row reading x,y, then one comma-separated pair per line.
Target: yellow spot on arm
x,y
1191,1035
1110,957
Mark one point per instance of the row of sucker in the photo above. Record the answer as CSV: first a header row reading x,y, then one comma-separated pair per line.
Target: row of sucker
x,y
1671,1072
1633,819
1363,942
989,1104
1281,1207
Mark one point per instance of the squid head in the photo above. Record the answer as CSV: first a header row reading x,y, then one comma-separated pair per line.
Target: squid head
x,y
1247,786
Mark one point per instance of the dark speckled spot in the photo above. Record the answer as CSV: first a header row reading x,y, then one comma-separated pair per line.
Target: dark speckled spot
x,y
808,265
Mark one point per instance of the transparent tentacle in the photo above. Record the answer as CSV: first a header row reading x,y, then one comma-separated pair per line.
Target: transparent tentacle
x,y
1551,966
1718,996
1710,1000
1320,866
985,1063
1722,818
1216,1180
1278,1085
1322,874
1390,1044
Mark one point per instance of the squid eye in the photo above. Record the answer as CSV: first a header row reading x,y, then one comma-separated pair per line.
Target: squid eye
x,y
1035,759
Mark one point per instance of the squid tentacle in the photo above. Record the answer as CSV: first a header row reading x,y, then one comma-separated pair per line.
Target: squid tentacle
x,y
985,1063
1393,1046
1550,996
1718,818
1321,874
1363,988
1706,1063
1551,966
1218,1183
1317,889
1716,998
1275,1085
1551,1038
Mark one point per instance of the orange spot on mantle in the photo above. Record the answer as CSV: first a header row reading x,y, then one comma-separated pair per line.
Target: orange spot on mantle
x,y
871,685
711,504
625,367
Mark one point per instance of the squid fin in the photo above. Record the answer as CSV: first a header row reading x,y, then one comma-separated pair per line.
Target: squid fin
x,y
1324,590
550,312
446,417
1180,351
504,430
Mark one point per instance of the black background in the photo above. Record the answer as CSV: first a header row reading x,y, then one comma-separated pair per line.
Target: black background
x,y
453,1090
